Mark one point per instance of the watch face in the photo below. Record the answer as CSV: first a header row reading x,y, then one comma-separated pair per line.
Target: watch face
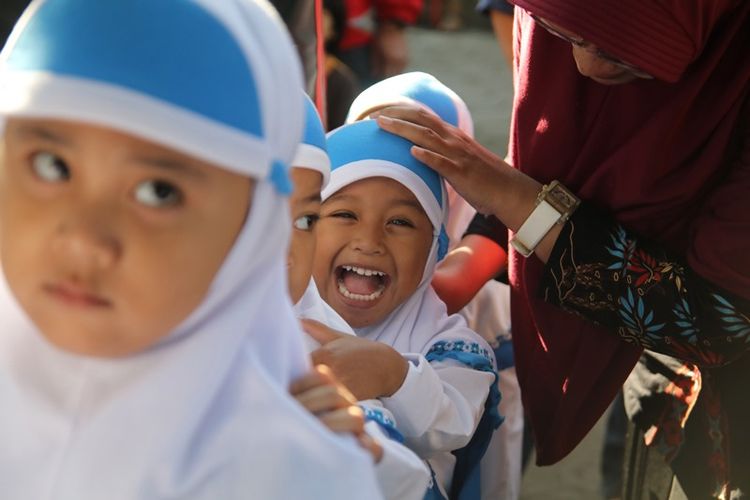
x,y
561,199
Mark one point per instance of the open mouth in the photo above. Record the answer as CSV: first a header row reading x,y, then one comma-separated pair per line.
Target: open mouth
x,y
361,284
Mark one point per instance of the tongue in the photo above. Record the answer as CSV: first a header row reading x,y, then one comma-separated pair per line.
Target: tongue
x,y
362,285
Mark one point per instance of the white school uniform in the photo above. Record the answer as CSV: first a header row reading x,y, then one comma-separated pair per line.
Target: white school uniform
x,y
451,369
401,474
205,413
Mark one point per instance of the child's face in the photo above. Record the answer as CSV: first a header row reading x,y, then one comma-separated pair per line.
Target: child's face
x,y
109,241
304,206
373,242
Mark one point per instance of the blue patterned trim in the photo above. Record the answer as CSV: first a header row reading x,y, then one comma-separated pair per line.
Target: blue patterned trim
x,y
476,357
456,349
386,423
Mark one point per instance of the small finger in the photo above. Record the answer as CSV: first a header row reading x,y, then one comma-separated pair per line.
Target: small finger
x,y
349,420
322,399
307,382
371,445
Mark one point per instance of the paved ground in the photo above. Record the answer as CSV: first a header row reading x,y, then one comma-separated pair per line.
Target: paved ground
x,y
471,64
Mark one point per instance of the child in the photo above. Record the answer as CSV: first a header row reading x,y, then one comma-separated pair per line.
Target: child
x,y
380,237
486,309
147,344
401,474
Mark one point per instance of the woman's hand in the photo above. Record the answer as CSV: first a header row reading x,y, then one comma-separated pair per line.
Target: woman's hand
x,y
478,174
326,398
368,369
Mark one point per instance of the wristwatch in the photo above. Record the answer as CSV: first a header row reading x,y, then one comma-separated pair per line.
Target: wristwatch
x,y
554,205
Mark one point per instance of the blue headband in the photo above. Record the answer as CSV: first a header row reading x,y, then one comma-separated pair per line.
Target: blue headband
x,y
365,140
174,51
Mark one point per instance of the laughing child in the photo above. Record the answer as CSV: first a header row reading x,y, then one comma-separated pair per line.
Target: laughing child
x,y
147,343
401,474
380,236
485,305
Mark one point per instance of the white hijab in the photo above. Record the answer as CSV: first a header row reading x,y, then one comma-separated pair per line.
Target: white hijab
x,y
204,414
421,324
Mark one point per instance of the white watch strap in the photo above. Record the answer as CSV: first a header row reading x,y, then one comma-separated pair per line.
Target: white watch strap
x,y
536,227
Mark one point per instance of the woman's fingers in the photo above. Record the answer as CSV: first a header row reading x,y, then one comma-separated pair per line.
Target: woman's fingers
x,y
441,164
418,134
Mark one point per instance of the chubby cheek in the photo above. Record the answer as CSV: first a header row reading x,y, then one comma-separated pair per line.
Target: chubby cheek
x,y
301,259
325,252
24,243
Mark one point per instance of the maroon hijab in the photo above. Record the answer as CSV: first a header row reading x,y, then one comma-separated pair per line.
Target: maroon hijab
x,y
656,153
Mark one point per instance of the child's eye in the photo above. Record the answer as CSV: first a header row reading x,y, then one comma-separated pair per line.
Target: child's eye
x,y
49,167
157,194
342,215
401,222
306,222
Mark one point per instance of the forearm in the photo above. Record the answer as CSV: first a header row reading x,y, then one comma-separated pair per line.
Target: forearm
x,y
635,288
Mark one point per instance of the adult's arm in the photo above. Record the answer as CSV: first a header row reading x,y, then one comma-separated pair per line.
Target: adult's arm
x,y
688,311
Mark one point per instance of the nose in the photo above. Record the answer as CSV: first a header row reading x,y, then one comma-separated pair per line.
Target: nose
x,y
368,239
85,243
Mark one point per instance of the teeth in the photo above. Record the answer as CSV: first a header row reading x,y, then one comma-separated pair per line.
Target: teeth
x,y
355,296
363,272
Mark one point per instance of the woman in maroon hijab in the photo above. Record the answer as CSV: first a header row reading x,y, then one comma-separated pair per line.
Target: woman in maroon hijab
x,y
648,123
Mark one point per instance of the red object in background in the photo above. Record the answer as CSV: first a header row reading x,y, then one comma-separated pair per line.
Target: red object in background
x,y
320,74
362,16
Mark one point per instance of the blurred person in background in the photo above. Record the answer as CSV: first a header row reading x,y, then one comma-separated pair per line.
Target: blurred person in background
x,y
374,43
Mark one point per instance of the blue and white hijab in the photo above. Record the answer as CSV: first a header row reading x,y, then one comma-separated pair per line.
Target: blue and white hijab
x,y
205,413
425,92
417,89
312,154
420,325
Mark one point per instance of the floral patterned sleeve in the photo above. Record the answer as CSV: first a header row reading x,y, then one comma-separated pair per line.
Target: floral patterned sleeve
x,y
601,271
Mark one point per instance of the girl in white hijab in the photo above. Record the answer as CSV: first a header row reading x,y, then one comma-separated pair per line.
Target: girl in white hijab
x,y
381,234
401,474
488,312
147,340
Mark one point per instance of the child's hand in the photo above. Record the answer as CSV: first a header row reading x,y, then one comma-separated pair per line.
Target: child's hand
x,y
326,398
368,369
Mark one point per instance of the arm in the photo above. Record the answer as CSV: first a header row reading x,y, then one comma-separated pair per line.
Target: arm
x,y
689,293
466,269
634,287
440,403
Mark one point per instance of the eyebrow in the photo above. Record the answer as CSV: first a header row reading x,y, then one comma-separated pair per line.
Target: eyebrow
x,y
400,202
170,165
43,133
408,203
312,198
